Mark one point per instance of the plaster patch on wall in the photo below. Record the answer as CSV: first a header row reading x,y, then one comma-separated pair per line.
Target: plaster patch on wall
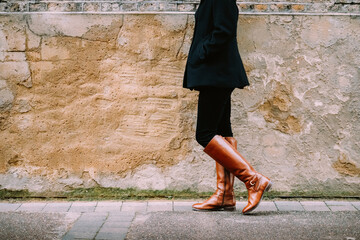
x,y
276,110
345,166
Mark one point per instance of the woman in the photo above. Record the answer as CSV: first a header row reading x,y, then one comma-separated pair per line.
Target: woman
x,y
215,69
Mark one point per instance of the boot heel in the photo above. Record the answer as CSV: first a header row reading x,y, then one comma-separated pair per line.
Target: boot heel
x,y
268,186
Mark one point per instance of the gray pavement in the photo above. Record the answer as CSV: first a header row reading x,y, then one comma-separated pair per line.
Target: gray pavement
x,y
176,220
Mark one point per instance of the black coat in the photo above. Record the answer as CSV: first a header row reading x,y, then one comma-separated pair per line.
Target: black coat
x,y
214,58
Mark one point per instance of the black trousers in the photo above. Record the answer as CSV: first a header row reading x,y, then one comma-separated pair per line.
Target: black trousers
x,y
214,110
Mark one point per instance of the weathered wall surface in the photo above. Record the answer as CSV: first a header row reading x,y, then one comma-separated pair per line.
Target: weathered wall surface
x,y
97,100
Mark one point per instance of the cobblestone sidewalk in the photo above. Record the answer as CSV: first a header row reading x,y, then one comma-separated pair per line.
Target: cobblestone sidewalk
x,y
112,219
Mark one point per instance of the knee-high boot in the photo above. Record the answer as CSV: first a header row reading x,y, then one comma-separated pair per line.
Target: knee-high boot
x,y
225,154
224,198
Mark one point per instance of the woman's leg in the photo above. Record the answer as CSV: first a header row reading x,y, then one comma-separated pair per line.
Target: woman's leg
x,y
224,128
214,118
213,112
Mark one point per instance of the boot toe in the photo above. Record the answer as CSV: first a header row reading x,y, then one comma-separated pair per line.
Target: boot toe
x,y
197,206
249,208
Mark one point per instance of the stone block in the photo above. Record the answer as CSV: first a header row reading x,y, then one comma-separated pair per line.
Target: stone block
x,y
110,236
289,206
12,34
8,207
338,203
109,204
159,206
12,57
15,72
92,7
17,6
32,207
186,7
167,7
121,216
148,6
57,207
342,208
83,207
73,7
356,205
128,7
119,227
265,206
298,7
84,204
261,7
314,206
108,209
37,7
134,206
6,99
56,6
4,7
110,7
71,235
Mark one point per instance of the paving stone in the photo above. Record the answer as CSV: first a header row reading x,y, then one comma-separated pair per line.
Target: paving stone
x,y
120,218
32,207
338,203
109,204
114,229
110,236
83,204
289,206
57,207
316,206
265,206
356,205
108,209
122,214
94,215
6,207
159,206
86,217
340,208
180,206
79,225
79,235
116,224
81,209
134,206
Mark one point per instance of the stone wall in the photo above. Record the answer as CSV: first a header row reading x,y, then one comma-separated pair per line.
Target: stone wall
x,y
97,100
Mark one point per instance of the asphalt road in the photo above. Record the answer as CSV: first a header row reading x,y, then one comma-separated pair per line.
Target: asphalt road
x,y
34,226
262,225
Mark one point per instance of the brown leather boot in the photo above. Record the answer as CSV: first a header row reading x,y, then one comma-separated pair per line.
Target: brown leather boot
x,y
225,154
224,198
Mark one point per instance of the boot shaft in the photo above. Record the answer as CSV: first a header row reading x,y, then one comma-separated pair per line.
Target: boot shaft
x,y
227,156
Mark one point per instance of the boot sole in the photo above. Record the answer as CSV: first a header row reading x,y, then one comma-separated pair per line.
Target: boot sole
x,y
265,190
230,209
